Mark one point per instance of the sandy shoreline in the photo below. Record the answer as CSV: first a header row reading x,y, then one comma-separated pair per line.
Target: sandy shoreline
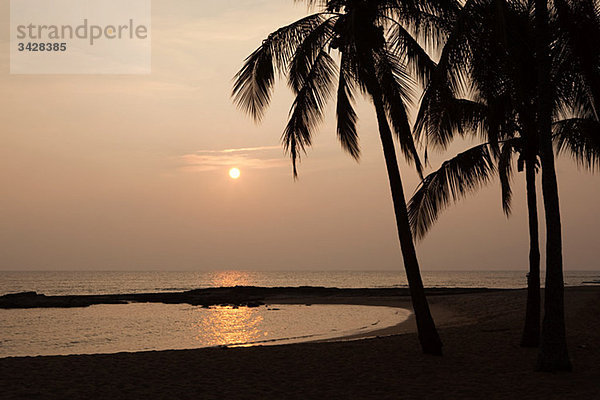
x,y
481,332
443,315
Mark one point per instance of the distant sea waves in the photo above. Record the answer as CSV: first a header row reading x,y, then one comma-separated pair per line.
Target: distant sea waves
x,y
62,282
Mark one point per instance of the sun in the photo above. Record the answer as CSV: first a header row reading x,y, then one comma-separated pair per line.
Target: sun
x,y
234,173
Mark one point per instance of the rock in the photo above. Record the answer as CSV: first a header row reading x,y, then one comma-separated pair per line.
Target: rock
x,y
21,295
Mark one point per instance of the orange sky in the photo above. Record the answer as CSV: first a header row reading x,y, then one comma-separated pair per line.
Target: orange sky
x,y
130,172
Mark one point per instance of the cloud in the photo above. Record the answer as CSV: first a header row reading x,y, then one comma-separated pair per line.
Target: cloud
x,y
245,157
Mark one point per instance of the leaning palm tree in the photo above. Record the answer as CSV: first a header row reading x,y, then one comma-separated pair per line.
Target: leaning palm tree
x,y
376,55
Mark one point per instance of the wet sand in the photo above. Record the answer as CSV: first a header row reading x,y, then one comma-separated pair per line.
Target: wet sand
x,y
481,333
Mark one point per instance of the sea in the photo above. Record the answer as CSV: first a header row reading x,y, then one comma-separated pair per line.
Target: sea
x,y
111,328
107,282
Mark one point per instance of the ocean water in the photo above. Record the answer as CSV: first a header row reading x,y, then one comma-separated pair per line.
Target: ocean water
x,y
103,282
151,326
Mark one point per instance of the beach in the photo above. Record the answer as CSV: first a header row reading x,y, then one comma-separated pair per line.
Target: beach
x,y
482,358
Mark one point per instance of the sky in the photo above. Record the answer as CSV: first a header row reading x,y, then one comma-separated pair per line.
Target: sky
x,y
130,172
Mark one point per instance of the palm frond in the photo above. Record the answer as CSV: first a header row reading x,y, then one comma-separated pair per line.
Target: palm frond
x,y
396,87
307,51
436,122
580,138
403,44
253,84
307,109
346,116
429,22
578,21
505,175
442,116
463,174
454,64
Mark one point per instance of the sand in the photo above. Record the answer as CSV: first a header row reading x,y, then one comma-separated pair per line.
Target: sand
x,y
481,332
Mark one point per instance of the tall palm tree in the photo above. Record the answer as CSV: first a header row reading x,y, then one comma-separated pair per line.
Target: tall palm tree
x,y
553,353
575,19
500,110
470,170
377,53
497,33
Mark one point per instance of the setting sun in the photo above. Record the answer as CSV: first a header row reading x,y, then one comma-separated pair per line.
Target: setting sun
x,y
234,173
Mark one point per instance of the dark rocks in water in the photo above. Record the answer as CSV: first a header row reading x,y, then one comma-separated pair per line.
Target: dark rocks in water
x,y
249,304
240,296
35,300
203,298
21,295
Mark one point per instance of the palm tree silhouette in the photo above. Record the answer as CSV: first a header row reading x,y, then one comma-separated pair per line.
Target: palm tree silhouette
x,y
475,167
487,33
503,112
377,54
575,21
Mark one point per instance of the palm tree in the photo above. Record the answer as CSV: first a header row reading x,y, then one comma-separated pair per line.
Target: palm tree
x,y
472,169
503,112
577,20
553,354
377,52
500,111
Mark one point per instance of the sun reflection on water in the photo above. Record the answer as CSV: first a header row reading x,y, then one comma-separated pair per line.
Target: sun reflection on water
x,y
230,278
229,325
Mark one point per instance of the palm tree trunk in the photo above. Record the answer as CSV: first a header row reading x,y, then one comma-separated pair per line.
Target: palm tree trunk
x,y
531,332
553,354
428,335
